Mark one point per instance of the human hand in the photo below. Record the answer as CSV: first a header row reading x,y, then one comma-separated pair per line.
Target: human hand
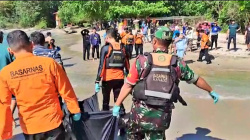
x,y
77,117
116,110
97,87
215,96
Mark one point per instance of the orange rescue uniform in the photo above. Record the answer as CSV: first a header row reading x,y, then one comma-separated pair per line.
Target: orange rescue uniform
x,y
113,74
35,81
138,39
204,40
129,36
123,37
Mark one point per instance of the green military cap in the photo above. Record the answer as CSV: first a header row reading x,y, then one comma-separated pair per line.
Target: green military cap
x,y
163,32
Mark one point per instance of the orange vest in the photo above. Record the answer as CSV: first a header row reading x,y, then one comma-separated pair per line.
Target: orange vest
x,y
130,39
113,74
138,39
123,37
204,41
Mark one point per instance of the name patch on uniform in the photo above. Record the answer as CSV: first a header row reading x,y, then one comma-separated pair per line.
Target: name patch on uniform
x,y
160,77
26,71
117,58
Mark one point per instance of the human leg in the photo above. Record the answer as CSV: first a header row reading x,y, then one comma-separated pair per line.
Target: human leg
x,y
201,55
215,41
136,49
55,134
207,57
97,51
88,52
106,89
234,40
141,49
117,85
93,52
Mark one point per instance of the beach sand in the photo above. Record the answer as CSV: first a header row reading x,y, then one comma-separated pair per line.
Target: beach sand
x,y
201,119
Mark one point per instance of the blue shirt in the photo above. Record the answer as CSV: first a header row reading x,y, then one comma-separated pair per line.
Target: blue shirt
x,y
176,32
181,46
184,28
145,30
215,29
95,39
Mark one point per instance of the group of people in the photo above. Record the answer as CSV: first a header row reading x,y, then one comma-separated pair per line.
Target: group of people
x,y
153,79
37,84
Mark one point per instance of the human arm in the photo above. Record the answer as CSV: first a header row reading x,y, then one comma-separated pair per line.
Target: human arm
x,y
99,39
64,88
6,118
104,52
219,28
131,80
126,89
238,28
186,74
245,34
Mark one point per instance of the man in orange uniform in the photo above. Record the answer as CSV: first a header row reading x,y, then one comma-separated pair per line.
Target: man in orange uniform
x,y
204,47
111,69
129,44
35,81
123,37
138,43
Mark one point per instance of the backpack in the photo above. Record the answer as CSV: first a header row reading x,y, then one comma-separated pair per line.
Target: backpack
x,y
158,84
115,58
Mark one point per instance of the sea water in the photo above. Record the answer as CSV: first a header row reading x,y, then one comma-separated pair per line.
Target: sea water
x,y
229,85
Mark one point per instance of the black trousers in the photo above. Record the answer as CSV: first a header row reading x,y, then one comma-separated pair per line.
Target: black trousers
x,y
55,134
107,86
129,49
95,48
86,50
204,52
229,42
214,39
138,48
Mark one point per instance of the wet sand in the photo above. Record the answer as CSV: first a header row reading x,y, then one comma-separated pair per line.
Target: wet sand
x,y
226,120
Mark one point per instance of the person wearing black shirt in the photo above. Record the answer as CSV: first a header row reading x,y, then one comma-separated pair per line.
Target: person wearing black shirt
x,y
86,43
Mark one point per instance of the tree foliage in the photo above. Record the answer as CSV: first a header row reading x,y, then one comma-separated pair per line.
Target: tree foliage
x,y
31,13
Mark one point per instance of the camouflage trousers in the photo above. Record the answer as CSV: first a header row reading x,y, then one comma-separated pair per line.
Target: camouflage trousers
x,y
148,122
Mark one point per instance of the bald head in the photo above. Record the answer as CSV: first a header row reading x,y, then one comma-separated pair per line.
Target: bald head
x,y
18,40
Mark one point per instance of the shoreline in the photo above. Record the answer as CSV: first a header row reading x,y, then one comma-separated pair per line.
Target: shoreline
x,y
226,120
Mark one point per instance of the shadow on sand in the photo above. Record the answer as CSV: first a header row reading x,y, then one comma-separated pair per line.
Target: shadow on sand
x,y
199,135
68,65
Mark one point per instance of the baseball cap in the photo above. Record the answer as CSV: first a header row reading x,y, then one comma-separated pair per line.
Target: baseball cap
x,y
164,33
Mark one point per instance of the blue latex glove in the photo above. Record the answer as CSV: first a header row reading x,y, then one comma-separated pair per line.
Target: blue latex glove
x,y
215,96
97,87
116,110
77,117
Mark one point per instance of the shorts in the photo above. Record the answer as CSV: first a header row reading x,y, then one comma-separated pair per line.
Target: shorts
x,y
13,97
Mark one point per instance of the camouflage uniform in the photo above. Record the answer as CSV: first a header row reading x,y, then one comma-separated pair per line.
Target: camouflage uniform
x,y
148,122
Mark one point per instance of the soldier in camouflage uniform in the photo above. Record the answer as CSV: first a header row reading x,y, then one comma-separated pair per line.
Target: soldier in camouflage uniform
x,y
148,120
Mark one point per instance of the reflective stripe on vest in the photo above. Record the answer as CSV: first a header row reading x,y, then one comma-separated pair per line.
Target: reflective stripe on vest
x,y
158,94
161,69
117,52
115,65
